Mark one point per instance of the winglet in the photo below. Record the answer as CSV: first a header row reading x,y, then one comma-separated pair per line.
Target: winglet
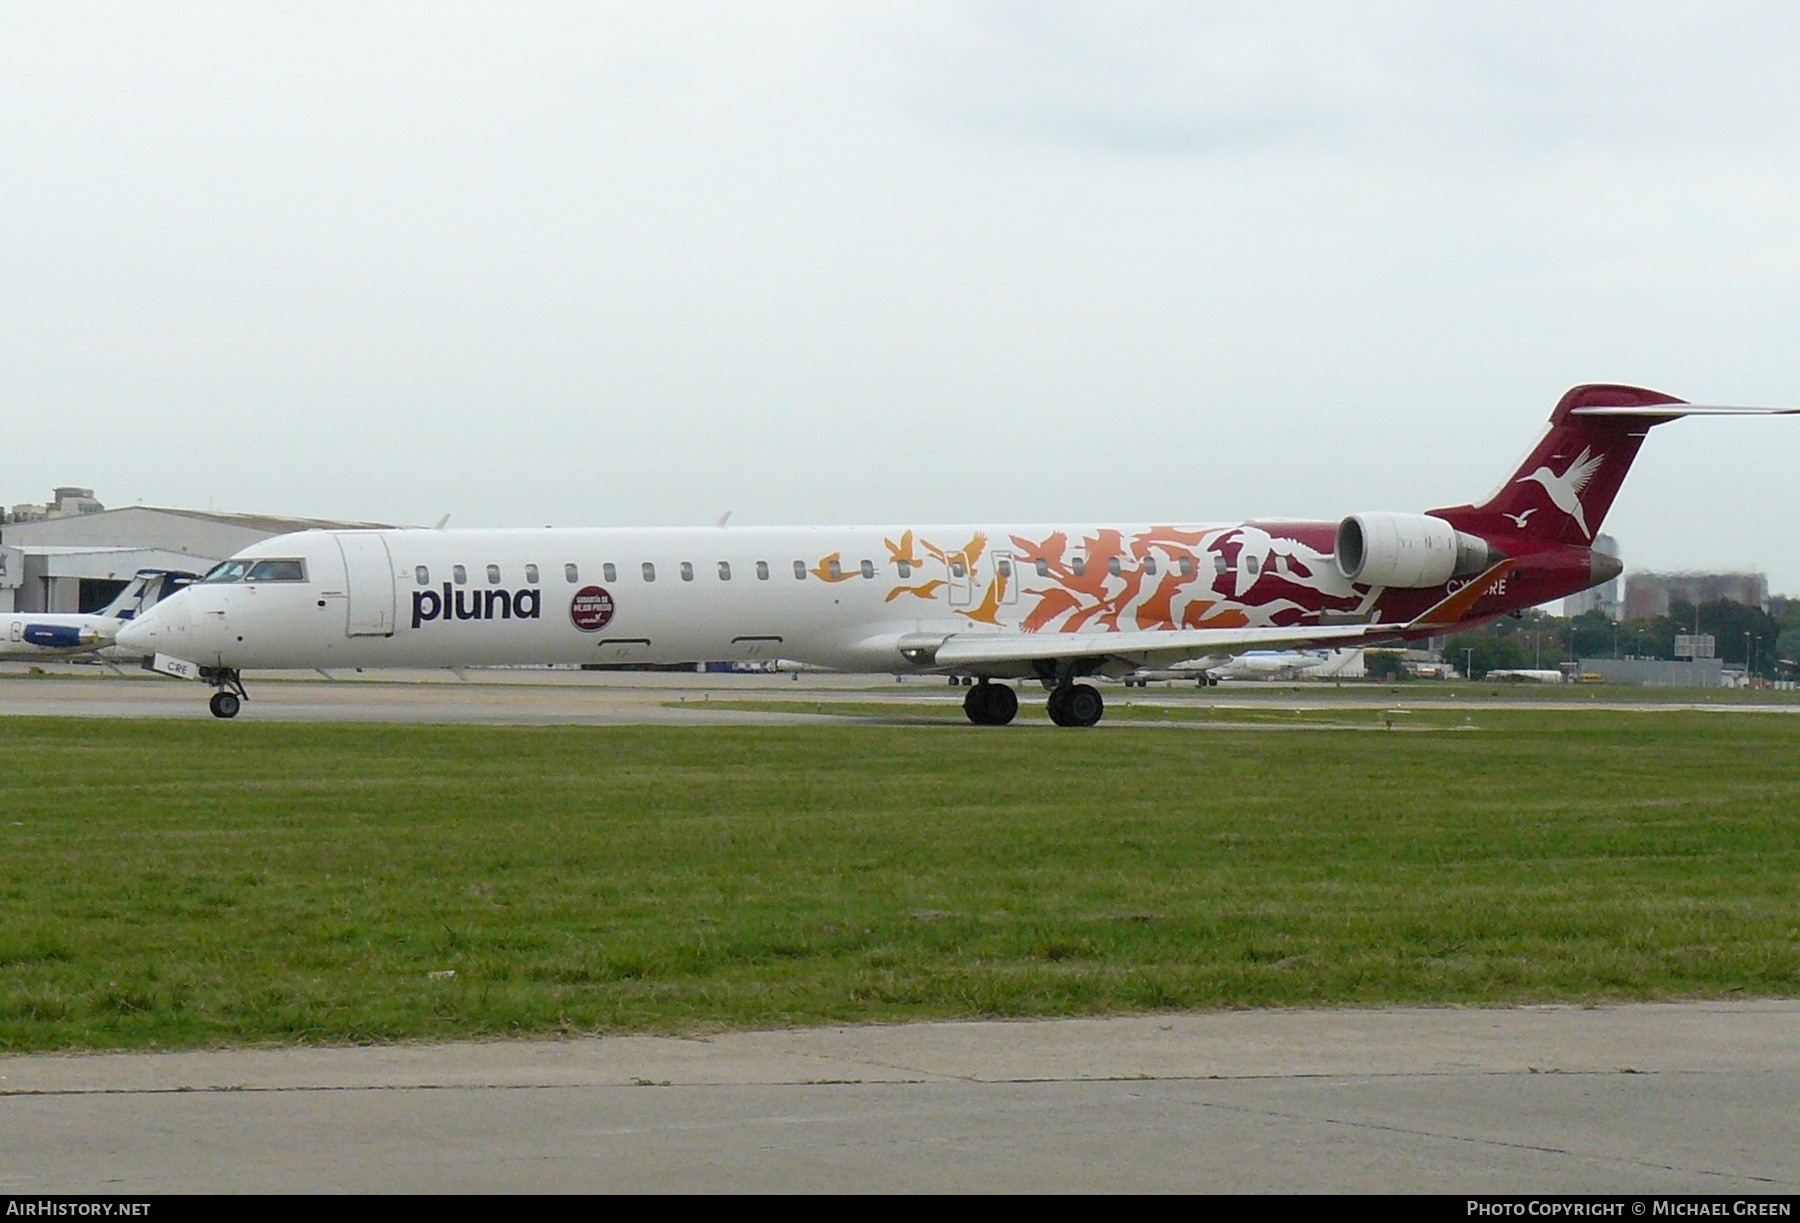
x,y
1452,609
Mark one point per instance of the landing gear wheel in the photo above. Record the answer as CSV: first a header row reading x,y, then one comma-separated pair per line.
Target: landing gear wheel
x,y
224,705
1076,705
991,704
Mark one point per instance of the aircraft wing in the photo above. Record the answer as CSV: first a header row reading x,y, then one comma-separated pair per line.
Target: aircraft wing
x,y
973,649
1150,647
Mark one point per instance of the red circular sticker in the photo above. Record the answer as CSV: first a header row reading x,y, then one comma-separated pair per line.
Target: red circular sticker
x,y
591,609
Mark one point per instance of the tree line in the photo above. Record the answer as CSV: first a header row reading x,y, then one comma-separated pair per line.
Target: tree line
x,y
1766,642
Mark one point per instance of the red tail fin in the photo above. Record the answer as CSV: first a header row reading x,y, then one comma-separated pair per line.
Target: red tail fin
x,y
1562,490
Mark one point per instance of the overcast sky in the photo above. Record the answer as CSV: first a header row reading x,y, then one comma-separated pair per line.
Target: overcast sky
x,y
598,264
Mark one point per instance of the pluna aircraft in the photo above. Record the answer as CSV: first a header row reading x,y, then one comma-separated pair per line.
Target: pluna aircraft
x,y
1052,603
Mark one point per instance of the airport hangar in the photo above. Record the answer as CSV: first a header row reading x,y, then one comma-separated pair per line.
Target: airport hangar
x,y
78,562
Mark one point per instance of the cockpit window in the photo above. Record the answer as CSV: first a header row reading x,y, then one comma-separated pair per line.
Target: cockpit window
x,y
227,571
277,571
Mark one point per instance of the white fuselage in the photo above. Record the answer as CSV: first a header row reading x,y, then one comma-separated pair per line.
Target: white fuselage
x,y
53,634
841,597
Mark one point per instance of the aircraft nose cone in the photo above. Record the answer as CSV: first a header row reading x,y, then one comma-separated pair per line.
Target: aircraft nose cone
x,y
137,636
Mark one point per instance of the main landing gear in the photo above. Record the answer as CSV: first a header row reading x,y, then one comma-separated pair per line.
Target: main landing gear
x,y
991,704
1076,705
1070,704
230,696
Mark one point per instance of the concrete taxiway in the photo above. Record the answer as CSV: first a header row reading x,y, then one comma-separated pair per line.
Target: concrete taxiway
x,y
582,698
1676,1098
524,698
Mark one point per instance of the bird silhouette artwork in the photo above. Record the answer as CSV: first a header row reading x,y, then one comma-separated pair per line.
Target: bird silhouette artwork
x,y
1565,490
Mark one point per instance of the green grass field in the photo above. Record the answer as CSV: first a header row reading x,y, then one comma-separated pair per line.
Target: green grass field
x,y
191,884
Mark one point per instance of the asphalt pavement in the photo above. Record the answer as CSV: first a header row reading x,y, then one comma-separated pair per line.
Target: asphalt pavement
x,y
1670,1098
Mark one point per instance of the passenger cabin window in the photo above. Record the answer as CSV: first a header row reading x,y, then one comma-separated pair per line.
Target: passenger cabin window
x,y
609,572
531,575
799,571
461,575
1043,567
762,571
1078,566
834,569
1219,565
1186,566
1250,565
423,574
649,572
687,571
1150,565
724,571
1114,566
868,569
571,573
904,567
493,575
276,571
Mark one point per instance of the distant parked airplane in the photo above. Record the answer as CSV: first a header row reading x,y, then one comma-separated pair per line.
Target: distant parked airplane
x,y
37,635
1054,604
1253,665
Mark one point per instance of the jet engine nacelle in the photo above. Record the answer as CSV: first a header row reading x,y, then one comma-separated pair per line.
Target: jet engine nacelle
x,y
1407,550
59,636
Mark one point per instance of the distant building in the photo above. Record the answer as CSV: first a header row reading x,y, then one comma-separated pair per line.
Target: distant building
x,y
1648,595
76,554
67,503
1653,672
78,579
1603,598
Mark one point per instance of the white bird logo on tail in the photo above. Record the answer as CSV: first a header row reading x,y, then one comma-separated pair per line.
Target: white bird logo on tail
x,y
1565,490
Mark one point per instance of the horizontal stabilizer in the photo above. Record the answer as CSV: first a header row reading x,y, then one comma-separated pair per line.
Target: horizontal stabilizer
x,y
1674,411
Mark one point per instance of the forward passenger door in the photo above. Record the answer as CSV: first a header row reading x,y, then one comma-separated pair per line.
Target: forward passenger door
x,y
369,583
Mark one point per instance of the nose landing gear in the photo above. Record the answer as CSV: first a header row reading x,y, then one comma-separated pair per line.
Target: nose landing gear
x,y
230,696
